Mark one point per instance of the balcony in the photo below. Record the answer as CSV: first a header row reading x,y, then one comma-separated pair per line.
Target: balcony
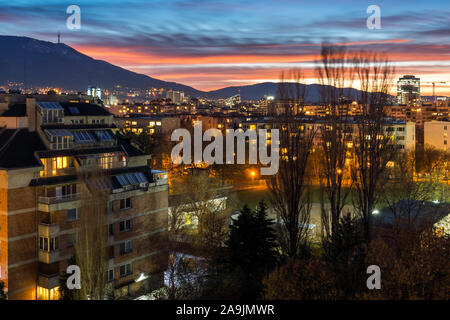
x,y
65,202
48,230
58,172
48,281
48,256
59,199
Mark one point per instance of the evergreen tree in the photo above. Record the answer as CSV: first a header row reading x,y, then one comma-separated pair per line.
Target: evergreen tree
x,y
252,249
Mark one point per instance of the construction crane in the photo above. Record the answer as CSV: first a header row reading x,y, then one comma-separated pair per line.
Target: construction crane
x,y
434,88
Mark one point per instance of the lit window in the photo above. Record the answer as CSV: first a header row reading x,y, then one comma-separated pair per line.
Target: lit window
x,y
47,294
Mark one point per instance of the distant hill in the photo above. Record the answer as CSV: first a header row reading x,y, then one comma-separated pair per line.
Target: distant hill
x,y
257,91
43,63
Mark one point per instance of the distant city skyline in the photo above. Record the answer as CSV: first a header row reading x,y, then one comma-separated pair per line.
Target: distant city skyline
x,y
214,44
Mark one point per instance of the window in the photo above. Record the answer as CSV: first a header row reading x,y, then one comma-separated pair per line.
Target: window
x,y
53,244
125,270
60,162
110,275
72,215
43,243
46,244
111,229
125,225
70,240
125,247
125,203
445,141
110,207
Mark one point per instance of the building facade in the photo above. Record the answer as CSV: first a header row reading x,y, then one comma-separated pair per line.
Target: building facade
x,y
436,134
408,90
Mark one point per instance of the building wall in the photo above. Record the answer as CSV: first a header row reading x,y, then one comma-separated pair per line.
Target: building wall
x,y
148,235
14,122
18,233
436,134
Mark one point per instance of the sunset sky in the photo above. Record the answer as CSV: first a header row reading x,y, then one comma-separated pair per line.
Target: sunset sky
x,y
213,44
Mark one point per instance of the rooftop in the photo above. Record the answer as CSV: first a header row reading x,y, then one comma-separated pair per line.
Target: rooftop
x,y
17,148
16,110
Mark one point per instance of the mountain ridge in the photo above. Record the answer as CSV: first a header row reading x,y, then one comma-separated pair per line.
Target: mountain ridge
x,y
44,63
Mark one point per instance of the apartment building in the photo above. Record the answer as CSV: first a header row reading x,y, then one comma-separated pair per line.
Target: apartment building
x,y
402,133
427,111
43,162
436,134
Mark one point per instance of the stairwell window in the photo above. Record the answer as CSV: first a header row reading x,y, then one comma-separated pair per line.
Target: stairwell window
x,y
110,275
70,240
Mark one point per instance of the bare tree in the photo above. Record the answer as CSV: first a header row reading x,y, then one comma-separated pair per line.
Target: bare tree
x,y
199,203
91,243
403,194
334,76
373,148
290,196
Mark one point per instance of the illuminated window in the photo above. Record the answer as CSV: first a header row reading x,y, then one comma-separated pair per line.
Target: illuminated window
x,y
60,163
47,294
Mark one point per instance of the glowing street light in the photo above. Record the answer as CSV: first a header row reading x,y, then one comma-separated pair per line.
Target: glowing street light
x,y
252,173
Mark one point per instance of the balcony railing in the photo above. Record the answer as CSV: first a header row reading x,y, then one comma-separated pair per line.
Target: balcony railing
x,y
59,199
48,256
48,230
59,172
